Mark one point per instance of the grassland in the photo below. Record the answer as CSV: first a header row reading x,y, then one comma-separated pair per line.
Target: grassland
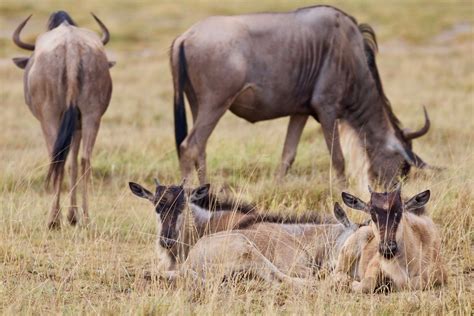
x,y
426,57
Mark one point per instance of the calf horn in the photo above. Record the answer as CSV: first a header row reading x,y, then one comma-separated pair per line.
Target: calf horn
x,y
16,36
106,36
422,131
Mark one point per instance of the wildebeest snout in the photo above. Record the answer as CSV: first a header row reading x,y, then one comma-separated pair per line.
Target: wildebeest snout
x,y
388,249
166,242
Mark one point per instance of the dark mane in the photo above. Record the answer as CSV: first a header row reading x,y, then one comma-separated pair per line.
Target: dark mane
x,y
256,218
371,48
213,203
59,17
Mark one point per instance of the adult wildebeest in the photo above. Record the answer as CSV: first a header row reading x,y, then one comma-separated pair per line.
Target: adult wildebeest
x,y
313,61
228,241
401,247
67,88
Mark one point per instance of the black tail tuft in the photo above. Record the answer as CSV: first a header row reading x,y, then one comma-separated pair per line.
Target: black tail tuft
x,y
180,124
62,143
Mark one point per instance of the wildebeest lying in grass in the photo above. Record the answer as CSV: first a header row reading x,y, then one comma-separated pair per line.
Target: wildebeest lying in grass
x,y
400,249
225,242
67,88
313,61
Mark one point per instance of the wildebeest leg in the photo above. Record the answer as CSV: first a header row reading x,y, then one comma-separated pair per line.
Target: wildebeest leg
x,y
331,136
90,128
50,125
54,221
72,215
193,149
293,135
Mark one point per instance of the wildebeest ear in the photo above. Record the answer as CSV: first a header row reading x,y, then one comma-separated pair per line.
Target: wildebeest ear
x,y
21,62
418,201
140,191
200,192
354,202
112,63
341,216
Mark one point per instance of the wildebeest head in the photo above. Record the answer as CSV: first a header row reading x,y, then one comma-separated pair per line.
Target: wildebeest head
x,y
386,210
55,20
396,158
170,202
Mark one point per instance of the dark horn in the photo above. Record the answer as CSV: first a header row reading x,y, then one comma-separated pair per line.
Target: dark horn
x,y
106,36
16,36
422,131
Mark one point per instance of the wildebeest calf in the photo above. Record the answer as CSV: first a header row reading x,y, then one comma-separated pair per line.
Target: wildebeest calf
x,y
400,249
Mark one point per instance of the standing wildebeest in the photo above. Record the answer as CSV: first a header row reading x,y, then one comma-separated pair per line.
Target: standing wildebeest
x,y
400,248
67,88
228,241
314,61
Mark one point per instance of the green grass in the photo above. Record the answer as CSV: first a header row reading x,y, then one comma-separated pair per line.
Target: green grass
x,y
100,269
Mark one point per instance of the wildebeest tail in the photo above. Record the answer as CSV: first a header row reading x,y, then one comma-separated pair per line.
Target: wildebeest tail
x,y
180,123
69,120
63,142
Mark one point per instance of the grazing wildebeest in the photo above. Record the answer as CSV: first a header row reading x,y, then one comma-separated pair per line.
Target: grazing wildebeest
x,y
401,247
67,88
198,239
314,61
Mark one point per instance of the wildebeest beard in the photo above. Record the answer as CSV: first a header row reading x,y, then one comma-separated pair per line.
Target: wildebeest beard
x,y
57,18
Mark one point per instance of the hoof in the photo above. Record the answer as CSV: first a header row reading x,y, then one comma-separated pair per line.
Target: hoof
x,y
54,225
72,216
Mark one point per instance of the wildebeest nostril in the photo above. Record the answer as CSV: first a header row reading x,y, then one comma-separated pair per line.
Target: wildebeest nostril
x,y
166,242
388,250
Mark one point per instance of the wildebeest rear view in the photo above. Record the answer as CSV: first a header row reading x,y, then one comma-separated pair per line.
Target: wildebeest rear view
x,y
67,88
314,61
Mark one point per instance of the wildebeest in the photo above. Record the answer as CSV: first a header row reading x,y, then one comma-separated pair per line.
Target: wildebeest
x,y
315,61
67,88
226,241
401,247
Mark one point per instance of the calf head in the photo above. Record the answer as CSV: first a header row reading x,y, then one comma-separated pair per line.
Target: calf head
x,y
170,202
387,210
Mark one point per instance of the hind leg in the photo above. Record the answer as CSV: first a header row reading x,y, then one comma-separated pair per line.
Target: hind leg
x,y
193,149
50,128
90,128
293,135
72,215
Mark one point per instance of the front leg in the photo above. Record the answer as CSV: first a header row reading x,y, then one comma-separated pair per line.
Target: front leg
x,y
368,284
330,128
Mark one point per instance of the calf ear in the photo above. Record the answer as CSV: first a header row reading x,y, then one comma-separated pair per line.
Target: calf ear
x,y
341,216
354,202
418,201
21,62
140,191
200,192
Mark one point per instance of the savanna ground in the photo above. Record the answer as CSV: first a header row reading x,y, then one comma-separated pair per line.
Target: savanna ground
x,y
426,57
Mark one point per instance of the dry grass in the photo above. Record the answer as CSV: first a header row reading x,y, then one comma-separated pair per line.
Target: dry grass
x,y
100,269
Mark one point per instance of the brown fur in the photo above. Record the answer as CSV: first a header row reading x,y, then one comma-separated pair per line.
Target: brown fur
x,y
416,265
330,73
234,241
67,88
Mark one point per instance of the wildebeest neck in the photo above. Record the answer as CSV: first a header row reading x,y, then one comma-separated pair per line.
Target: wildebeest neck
x,y
59,17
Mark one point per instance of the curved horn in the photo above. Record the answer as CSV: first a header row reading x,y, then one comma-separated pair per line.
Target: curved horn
x,y
422,131
16,36
106,36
